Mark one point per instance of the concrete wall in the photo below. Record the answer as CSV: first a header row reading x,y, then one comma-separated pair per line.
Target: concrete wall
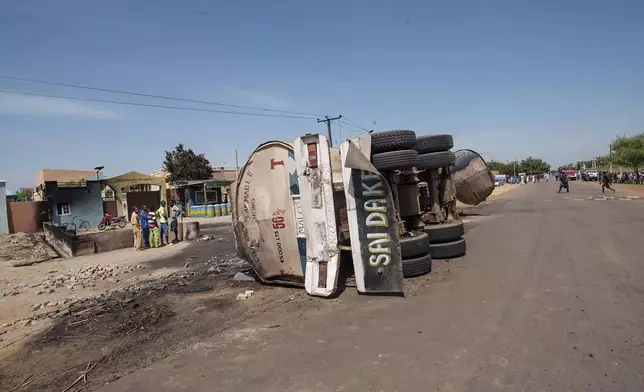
x,y
109,240
86,203
62,241
4,214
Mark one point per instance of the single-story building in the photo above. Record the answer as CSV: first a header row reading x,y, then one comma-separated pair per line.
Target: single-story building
x,y
73,202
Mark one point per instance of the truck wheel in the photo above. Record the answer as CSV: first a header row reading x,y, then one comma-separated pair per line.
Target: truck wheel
x,y
417,266
448,250
392,141
435,160
444,232
433,143
395,160
414,246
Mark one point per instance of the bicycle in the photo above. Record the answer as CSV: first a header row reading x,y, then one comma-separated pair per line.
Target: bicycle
x,y
82,224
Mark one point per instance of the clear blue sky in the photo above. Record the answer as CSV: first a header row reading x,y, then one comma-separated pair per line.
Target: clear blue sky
x,y
556,79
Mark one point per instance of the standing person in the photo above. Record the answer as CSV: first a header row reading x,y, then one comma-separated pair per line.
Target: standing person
x,y
175,212
136,228
145,228
563,182
162,214
606,183
154,229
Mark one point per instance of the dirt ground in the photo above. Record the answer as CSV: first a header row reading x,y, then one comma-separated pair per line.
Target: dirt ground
x,y
125,310
25,247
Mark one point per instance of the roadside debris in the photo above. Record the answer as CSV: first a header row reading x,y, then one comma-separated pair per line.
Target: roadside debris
x,y
242,277
78,278
25,249
245,295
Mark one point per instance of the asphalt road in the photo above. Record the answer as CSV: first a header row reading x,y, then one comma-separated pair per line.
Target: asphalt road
x,y
550,297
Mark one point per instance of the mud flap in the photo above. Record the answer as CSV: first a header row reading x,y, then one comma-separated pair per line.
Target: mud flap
x,y
313,160
375,244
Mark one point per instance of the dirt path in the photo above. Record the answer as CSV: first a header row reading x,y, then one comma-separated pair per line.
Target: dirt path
x,y
118,311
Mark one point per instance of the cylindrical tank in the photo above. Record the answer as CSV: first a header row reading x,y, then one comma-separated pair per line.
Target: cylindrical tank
x,y
210,210
217,209
224,209
473,180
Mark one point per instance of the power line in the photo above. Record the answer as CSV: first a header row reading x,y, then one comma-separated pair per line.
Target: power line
x,y
154,96
356,124
352,128
151,105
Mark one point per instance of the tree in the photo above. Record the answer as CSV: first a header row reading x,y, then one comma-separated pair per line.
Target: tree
x,y
183,164
497,166
25,194
532,165
629,151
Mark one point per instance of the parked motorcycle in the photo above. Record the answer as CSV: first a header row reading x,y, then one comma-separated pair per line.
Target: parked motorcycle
x,y
113,222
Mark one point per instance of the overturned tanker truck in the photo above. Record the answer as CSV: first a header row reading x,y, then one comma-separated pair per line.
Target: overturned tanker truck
x,y
382,206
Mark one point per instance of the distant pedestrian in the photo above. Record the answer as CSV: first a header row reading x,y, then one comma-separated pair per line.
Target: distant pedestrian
x,y
606,183
162,215
136,228
145,228
175,212
563,182
154,229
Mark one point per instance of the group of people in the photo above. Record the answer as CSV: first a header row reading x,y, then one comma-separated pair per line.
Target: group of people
x,y
150,225
604,178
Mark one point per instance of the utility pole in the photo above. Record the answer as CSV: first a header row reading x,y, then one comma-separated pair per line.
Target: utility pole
x,y
328,120
236,167
514,165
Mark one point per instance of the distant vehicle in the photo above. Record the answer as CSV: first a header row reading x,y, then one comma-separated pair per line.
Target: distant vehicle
x,y
500,180
592,175
571,173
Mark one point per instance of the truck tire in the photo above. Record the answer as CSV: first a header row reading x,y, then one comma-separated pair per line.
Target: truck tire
x,y
417,266
433,143
448,250
392,141
395,160
435,160
444,232
414,246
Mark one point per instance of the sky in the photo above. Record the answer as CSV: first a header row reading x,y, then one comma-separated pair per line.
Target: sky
x,y
555,79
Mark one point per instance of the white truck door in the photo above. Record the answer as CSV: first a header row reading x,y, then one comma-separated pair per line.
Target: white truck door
x,y
313,162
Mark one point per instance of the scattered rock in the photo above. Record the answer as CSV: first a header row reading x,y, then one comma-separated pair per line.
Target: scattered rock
x,y
200,309
25,322
245,295
187,265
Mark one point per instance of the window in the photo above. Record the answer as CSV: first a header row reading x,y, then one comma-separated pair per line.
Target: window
x,y
63,209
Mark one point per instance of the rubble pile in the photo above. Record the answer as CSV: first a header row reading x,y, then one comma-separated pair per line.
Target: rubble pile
x,y
84,277
25,246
